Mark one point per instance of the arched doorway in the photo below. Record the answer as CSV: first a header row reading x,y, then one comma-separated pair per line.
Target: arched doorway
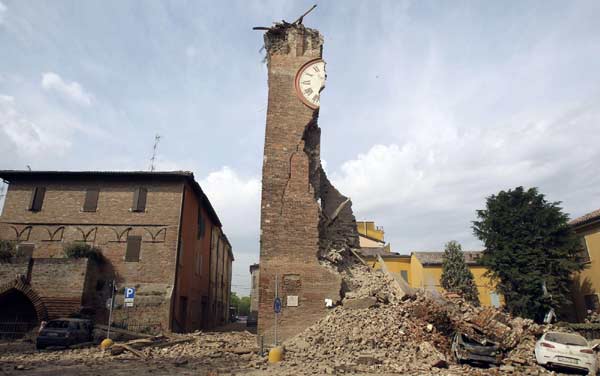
x,y
17,307
18,315
22,309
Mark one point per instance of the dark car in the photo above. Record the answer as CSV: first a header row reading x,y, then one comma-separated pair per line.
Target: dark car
x,y
64,332
467,349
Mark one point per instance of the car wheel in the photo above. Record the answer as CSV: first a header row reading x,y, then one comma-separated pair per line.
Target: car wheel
x,y
39,346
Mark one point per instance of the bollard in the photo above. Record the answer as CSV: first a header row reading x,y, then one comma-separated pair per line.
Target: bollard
x,y
276,354
106,343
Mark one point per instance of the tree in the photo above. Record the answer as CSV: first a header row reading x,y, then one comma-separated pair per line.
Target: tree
x,y
456,276
242,304
7,250
83,250
530,250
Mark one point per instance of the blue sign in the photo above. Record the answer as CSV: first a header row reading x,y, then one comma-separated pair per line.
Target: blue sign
x,y
129,292
277,305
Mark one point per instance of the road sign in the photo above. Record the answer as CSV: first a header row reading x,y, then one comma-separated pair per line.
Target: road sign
x,y
129,292
129,304
277,305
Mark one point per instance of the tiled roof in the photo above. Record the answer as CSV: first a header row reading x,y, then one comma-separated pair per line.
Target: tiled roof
x,y
586,218
436,258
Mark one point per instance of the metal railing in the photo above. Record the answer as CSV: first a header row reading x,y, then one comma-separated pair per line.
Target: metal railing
x,y
138,326
15,329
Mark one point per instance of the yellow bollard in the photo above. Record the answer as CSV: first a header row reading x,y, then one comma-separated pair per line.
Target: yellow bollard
x,y
106,343
276,354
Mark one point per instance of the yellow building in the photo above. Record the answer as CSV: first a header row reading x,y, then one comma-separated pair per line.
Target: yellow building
x,y
586,284
369,235
424,270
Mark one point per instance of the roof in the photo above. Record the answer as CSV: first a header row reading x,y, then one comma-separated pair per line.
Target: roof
x,y
10,175
437,258
374,251
586,218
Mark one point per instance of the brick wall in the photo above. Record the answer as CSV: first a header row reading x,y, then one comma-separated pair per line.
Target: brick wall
x,y
60,283
62,221
295,229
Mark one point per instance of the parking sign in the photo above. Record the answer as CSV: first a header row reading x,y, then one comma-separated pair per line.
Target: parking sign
x,y
129,292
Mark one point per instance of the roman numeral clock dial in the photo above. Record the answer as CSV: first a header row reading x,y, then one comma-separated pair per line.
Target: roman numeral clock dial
x,y
310,81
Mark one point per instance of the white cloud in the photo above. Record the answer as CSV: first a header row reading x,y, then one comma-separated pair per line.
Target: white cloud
x,y
236,201
191,52
2,12
443,174
24,136
71,90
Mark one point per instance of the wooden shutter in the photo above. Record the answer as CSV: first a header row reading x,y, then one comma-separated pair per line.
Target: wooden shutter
x,y
139,199
37,198
134,244
91,200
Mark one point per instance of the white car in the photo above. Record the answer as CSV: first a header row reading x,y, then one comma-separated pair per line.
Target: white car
x,y
568,350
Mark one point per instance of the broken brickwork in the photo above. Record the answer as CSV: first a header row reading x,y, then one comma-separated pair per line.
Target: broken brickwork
x,y
303,217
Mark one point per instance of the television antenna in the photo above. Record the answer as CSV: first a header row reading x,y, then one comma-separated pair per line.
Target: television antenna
x,y
154,150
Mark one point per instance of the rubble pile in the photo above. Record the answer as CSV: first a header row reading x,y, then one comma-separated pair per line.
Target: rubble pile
x,y
375,329
214,350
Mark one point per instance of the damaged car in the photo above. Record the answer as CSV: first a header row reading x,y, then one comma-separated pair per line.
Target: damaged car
x,y
468,349
565,350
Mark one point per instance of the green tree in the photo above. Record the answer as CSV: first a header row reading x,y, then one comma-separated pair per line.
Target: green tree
x,y
530,250
242,304
7,250
83,250
456,276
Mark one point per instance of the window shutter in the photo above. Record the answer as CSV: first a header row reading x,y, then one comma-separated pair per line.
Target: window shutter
x,y
91,200
37,198
139,199
134,244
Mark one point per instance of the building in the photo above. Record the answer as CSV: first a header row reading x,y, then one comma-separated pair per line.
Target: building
x,y
157,231
369,235
304,219
586,284
424,270
254,277
371,238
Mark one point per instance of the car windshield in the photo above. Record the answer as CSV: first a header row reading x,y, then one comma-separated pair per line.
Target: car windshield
x,y
58,324
566,339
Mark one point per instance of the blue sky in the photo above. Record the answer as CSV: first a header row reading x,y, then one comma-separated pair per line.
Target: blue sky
x,y
429,108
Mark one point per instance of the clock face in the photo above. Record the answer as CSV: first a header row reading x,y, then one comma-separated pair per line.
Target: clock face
x,y
310,80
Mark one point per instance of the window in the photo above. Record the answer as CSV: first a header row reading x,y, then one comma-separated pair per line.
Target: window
x,y
584,254
495,299
592,303
91,200
404,275
25,250
134,244
37,198
201,224
139,200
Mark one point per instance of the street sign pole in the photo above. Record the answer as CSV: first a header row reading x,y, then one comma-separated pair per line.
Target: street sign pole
x,y
112,304
276,298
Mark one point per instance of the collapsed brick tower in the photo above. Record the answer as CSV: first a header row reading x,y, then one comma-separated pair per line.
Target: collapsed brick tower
x,y
307,226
